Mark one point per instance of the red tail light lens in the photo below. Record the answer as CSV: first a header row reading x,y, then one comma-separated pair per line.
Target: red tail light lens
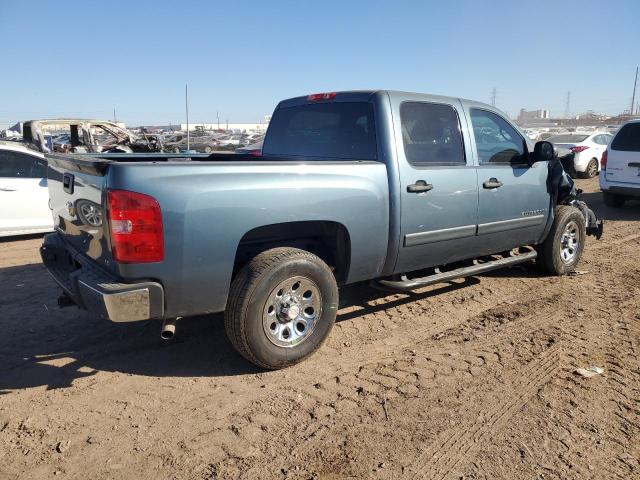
x,y
255,153
315,97
135,221
603,161
578,149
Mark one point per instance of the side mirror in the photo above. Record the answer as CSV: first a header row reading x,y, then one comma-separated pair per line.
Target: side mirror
x,y
543,152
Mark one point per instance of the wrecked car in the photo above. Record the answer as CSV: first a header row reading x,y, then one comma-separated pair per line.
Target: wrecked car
x,y
87,136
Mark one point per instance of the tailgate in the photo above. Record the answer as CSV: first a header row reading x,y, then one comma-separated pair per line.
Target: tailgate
x,y
623,167
76,187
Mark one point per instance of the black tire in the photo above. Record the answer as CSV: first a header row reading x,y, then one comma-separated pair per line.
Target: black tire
x,y
591,171
550,251
253,287
612,200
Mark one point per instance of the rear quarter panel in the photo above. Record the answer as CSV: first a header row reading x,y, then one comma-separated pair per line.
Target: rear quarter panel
x,y
207,207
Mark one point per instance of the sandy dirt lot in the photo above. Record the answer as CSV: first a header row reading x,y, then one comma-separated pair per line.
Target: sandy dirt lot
x,y
474,379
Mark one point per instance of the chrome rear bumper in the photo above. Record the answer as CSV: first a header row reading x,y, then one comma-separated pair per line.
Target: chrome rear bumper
x,y
97,291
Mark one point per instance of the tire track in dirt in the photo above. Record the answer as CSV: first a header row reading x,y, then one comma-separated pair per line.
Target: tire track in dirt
x,y
453,448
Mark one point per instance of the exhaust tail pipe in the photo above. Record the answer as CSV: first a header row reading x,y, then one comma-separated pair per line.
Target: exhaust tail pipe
x,y
168,329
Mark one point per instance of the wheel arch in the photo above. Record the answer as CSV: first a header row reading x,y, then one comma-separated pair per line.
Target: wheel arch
x,y
329,240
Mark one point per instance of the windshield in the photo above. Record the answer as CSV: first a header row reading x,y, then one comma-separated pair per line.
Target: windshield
x,y
568,138
336,130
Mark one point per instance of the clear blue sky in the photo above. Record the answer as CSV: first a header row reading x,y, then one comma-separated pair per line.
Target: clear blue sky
x,y
83,58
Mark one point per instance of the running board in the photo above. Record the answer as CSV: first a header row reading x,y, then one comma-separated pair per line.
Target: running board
x,y
405,283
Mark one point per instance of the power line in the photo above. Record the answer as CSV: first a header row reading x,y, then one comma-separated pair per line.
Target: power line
x,y
633,97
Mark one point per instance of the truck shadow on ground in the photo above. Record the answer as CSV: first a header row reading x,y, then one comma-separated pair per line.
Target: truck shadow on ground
x,y
629,212
45,346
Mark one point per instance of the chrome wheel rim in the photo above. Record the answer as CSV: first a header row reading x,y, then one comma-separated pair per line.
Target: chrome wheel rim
x,y
593,168
291,311
569,242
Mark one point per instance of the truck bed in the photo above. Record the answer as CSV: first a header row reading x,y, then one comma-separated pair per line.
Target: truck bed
x,y
211,205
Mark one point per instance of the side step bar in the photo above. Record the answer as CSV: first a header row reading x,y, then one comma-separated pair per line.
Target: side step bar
x,y
406,283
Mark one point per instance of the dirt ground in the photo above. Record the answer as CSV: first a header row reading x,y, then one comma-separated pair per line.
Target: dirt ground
x,y
474,379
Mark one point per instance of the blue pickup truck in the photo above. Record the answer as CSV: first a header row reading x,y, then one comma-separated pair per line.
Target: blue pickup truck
x,y
401,189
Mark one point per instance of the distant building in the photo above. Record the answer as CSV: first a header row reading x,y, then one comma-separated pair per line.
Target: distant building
x,y
529,115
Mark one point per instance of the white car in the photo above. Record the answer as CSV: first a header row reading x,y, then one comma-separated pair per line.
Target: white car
x,y
620,163
24,197
587,149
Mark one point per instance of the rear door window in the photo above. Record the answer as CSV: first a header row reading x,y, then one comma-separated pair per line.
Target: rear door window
x,y
335,130
431,134
496,140
21,165
628,138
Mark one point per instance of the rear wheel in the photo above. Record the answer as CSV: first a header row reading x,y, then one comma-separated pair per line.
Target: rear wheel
x,y
592,169
612,200
282,306
561,251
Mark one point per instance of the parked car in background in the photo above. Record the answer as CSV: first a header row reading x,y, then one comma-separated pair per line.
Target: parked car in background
x,y
24,197
586,147
236,140
620,177
253,149
545,136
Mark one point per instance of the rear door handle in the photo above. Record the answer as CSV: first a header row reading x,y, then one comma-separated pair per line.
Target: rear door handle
x,y
419,187
493,182
7,189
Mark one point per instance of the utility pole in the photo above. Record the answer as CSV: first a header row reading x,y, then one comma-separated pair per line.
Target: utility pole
x,y
633,97
567,107
218,117
115,119
493,97
186,107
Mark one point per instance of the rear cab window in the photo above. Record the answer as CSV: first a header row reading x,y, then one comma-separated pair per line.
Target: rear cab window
x,y
627,139
21,165
331,130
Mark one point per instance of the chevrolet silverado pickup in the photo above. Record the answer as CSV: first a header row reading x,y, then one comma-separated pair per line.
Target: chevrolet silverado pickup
x,y
401,189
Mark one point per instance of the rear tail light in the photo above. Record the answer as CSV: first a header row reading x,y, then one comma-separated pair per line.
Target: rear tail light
x,y
578,149
603,161
255,153
315,97
135,221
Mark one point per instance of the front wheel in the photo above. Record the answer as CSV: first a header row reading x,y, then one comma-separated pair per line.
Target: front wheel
x,y
561,251
282,306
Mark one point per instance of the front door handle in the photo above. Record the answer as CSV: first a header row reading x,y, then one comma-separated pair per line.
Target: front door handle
x,y
7,189
493,182
419,187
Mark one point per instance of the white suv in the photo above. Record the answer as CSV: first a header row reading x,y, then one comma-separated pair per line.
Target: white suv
x,y
24,196
620,175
